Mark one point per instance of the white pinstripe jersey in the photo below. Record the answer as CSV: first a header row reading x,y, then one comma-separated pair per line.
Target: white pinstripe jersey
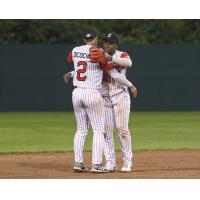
x,y
112,89
86,74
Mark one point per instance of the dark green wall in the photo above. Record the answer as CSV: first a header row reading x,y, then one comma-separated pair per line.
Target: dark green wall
x,y
167,77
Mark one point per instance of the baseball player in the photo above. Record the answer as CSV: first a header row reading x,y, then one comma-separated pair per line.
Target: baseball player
x,y
117,106
88,103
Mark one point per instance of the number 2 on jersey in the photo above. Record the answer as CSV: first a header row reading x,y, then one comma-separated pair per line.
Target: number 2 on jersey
x,y
82,67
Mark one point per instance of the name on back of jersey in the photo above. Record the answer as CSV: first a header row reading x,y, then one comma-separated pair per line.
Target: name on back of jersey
x,y
81,55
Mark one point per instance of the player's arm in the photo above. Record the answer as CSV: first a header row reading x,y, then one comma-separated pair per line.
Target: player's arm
x,y
70,58
123,59
67,76
99,55
119,78
122,80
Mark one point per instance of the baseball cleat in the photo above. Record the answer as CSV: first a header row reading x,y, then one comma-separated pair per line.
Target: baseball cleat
x,y
79,167
127,167
110,167
98,168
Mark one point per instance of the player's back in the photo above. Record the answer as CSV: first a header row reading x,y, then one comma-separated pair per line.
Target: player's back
x,y
86,74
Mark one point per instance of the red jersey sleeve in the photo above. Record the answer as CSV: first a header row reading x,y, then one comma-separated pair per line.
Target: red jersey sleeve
x,y
70,58
124,55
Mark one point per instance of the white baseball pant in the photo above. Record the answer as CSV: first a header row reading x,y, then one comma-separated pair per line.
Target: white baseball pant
x,y
118,116
88,107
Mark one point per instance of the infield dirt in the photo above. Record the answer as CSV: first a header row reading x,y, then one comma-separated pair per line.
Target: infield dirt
x,y
147,164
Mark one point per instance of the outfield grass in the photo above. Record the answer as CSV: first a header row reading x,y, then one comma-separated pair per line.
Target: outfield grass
x,y
54,131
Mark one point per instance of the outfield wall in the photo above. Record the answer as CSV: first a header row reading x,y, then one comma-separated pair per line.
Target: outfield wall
x,y
167,77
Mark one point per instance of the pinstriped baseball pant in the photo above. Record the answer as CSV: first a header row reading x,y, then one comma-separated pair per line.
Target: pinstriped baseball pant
x,y
88,108
118,117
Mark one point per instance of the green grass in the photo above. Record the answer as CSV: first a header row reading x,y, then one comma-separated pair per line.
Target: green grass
x,y
54,131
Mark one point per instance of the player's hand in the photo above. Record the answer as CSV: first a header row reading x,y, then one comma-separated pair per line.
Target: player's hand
x,y
133,90
66,77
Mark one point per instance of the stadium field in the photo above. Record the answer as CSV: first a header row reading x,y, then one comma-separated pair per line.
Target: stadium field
x,y
54,131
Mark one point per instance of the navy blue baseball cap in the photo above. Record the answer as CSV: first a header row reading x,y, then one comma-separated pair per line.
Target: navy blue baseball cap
x,y
90,33
111,37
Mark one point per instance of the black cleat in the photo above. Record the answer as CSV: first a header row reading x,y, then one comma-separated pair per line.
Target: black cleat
x,y
98,168
79,167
